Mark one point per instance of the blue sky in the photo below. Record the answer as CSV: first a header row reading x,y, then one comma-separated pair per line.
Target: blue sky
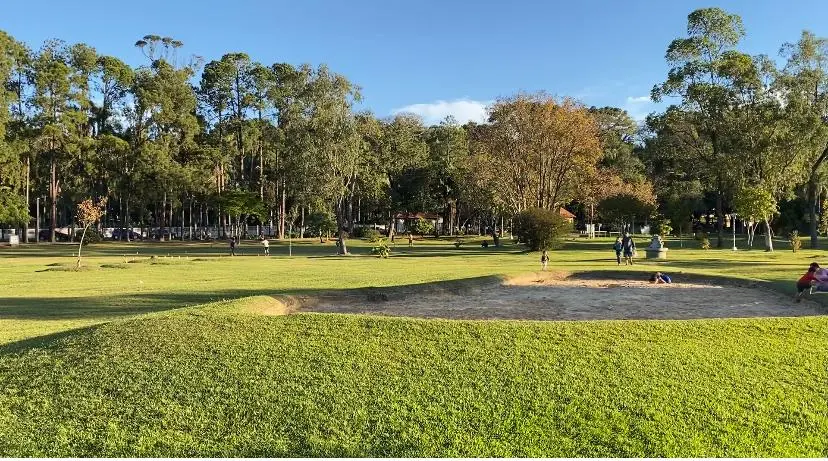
x,y
430,57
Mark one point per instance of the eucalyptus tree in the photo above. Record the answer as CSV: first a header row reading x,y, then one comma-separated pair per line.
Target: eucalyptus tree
x,y
164,124
60,76
404,158
336,149
448,157
804,84
15,155
695,78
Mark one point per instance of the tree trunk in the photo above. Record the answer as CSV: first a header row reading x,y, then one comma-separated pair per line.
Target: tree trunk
x,y
768,236
813,188
80,247
28,218
340,227
813,198
719,220
302,224
53,200
282,212
127,229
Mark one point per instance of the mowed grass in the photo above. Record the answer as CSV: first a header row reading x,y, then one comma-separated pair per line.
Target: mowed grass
x,y
39,296
219,382
109,362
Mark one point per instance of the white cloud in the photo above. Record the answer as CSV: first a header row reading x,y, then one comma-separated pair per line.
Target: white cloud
x,y
464,110
639,107
638,100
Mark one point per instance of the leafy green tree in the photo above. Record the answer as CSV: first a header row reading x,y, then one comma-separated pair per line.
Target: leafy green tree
x,y
756,202
804,84
336,149
621,209
60,77
706,94
617,131
448,158
321,223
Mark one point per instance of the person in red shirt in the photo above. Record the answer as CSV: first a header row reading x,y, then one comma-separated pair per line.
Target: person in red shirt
x,y
804,283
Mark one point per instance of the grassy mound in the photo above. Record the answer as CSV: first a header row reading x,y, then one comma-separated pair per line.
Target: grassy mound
x,y
220,381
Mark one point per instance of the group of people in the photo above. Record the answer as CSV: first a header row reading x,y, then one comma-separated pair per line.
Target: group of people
x,y
624,247
816,278
235,241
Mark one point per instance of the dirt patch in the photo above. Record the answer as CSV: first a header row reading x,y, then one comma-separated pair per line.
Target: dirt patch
x,y
557,296
268,305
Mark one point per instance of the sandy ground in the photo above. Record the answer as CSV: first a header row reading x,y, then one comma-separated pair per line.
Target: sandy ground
x,y
536,298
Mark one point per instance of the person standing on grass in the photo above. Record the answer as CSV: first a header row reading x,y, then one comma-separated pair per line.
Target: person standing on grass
x,y
266,245
544,259
410,240
618,249
628,246
232,246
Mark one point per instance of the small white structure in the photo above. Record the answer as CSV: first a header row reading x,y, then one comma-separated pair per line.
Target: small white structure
x,y
656,250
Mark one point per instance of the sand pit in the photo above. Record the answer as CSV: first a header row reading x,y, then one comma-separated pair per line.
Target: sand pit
x,y
548,297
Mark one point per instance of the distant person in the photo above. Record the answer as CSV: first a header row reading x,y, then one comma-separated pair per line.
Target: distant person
x,y
232,246
659,278
618,249
806,281
266,245
628,246
410,240
544,259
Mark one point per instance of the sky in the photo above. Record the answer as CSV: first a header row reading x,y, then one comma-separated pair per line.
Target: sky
x,y
433,58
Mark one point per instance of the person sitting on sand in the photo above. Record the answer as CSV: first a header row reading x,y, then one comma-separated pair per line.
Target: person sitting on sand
x,y
806,281
658,277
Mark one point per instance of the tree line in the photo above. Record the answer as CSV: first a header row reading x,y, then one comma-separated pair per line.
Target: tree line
x,y
232,143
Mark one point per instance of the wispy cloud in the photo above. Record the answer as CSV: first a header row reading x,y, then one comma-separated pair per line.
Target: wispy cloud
x,y
638,100
464,110
639,107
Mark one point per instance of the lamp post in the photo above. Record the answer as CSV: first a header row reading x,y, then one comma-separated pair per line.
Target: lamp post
x,y
733,224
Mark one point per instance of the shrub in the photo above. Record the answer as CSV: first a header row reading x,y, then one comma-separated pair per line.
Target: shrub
x,y
423,227
541,229
796,241
371,235
92,236
663,227
704,242
381,249
320,223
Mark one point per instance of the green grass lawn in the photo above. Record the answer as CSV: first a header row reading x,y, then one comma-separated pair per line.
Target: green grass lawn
x,y
107,362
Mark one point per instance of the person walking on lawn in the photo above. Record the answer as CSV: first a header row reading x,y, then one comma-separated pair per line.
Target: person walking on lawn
x,y
544,259
628,245
618,249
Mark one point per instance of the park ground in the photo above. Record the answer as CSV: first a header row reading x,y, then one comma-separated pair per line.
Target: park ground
x,y
168,350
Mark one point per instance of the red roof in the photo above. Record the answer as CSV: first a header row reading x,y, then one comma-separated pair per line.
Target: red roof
x,y
567,214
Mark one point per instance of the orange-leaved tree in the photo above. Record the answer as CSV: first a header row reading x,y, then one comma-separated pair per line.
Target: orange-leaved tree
x,y
88,213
